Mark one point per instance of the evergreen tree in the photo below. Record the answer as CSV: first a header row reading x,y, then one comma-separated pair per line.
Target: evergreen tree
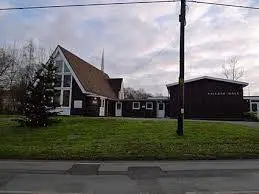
x,y
39,102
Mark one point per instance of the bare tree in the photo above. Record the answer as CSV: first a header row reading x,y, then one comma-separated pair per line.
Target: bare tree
x,y
11,75
231,70
5,60
131,93
28,64
159,95
18,65
7,74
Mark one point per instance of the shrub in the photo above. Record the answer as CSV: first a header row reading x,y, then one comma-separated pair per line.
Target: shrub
x,y
250,116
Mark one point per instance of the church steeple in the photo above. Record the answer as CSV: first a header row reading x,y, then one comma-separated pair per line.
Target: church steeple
x,y
102,64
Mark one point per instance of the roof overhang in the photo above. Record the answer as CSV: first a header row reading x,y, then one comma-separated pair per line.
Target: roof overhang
x,y
143,100
211,78
158,98
251,97
99,96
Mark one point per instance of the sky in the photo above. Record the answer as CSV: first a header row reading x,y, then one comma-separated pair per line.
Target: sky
x,y
141,42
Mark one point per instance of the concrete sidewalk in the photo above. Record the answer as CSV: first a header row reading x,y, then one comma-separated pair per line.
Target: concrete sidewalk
x,y
92,167
116,177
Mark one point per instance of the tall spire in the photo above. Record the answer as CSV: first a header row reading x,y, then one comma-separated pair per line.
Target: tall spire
x,y
102,64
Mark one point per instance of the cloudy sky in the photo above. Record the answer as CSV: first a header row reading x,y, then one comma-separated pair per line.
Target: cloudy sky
x,y
141,42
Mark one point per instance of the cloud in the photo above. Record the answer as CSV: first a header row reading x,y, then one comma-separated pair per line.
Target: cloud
x,y
141,42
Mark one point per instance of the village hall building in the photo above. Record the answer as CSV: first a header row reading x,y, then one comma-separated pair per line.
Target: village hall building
x,y
209,98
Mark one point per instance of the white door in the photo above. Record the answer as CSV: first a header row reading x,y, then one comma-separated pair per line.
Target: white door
x,y
118,109
255,107
102,108
160,110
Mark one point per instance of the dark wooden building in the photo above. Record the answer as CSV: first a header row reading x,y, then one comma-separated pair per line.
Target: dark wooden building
x,y
209,98
148,108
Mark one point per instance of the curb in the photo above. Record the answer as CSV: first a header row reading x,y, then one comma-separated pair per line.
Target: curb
x,y
134,172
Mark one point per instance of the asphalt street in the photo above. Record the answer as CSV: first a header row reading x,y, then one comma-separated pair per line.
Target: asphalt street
x,y
205,177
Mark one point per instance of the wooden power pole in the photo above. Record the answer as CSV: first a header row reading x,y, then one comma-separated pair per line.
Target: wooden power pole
x,y
181,76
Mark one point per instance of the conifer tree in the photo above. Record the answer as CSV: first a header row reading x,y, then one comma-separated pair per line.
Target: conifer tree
x,y
39,101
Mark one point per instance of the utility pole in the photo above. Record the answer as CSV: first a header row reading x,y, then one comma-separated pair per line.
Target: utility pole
x,y
181,76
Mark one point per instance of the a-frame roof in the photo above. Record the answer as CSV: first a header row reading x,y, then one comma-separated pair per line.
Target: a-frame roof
x,y
92,79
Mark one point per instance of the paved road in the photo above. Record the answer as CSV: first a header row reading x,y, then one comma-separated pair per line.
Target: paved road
x,y
203,177
254,125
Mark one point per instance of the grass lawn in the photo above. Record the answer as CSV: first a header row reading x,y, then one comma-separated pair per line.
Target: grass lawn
x,y
110,139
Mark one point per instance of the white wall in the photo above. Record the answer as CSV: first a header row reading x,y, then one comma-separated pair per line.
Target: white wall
x,y
253,100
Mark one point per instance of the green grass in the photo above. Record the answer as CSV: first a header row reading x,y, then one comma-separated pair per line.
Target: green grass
x,y
128,139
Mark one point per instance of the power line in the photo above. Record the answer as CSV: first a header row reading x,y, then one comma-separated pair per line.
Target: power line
x,y
124,3
223,4
87,5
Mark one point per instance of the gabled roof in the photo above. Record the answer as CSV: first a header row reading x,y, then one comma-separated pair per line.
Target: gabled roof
x,y
92,79
211,78
116,84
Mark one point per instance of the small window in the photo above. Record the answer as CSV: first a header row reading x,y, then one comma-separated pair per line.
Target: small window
x,y
58,81
59,66
136,106
254,107
57,98
149,105
67,81
66,70
160,106
118,106
66,96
